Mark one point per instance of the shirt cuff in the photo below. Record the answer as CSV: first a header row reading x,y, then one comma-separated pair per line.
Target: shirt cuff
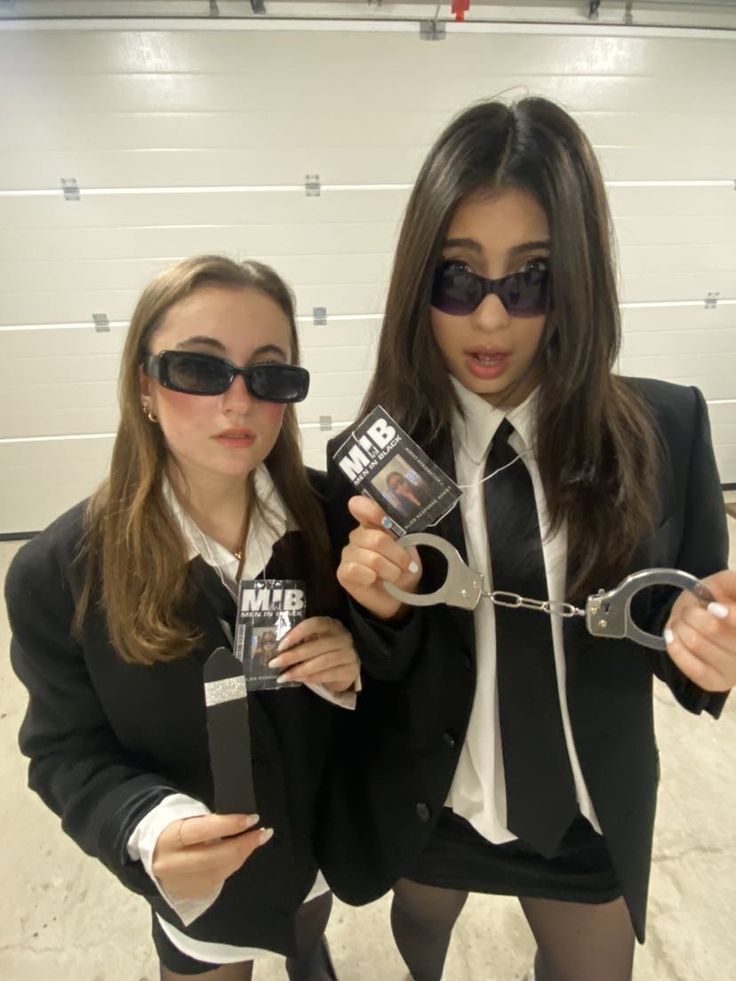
x,y
142,844
342,699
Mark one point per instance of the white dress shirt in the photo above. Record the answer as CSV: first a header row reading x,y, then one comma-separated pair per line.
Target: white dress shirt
x,y
262,536
478,790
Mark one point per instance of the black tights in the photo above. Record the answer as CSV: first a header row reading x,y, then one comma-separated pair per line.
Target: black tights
x,y
310,924
575,941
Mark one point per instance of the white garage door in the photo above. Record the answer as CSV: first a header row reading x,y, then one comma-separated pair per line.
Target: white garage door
x,y
183,139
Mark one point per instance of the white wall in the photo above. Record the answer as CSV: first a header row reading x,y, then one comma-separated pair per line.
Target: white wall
x,y
126,109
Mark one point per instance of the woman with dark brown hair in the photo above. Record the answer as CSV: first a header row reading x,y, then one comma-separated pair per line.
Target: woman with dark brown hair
x,y
116,607
510,752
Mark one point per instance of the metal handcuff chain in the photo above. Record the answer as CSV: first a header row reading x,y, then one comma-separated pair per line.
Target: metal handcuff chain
x,y
501,597
464,587
607,613
472,584
559,608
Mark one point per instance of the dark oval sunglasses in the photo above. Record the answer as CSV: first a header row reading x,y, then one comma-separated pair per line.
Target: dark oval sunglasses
x,y
458,291
205,374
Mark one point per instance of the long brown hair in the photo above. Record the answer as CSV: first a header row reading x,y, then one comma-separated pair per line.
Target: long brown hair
x,y
133,554
597,447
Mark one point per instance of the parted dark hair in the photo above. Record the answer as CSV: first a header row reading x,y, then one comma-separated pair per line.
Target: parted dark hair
x,y
597,447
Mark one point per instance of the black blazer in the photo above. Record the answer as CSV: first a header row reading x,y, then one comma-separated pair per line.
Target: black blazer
x,y
419,679
108,740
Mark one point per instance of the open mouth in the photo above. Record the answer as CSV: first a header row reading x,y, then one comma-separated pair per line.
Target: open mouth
x,y
487,364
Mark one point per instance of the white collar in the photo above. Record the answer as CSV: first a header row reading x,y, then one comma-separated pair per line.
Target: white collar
x,y
475,431
262,534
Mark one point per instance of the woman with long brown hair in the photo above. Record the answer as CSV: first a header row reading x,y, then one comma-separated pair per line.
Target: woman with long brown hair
x,y
510,751
116,607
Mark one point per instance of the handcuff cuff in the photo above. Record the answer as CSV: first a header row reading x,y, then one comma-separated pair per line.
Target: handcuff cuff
x,y
607,614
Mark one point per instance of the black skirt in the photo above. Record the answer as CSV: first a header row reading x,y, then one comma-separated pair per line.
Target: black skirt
x,y
458,857
173,958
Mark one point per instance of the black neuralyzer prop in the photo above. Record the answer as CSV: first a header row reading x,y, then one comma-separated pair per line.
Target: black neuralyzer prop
x,y
229,733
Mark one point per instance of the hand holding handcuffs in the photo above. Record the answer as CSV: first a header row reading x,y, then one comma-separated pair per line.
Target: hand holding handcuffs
x,y
379,445
607,614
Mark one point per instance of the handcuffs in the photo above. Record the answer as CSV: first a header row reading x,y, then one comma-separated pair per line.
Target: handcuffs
x,y
607,614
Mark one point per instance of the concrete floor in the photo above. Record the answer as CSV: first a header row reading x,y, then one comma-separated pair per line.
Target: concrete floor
x,y
65,917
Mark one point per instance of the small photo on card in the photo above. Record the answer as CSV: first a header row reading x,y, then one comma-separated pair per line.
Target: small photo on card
x,y
383,462
399,484
264,642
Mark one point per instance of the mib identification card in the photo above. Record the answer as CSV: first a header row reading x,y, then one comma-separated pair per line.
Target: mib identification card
x,y
384,462
267,610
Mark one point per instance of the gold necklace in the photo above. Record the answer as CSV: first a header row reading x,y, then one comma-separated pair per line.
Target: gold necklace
x,y
238,552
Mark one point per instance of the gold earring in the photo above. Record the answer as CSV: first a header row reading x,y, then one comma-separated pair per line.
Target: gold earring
x,y
148,414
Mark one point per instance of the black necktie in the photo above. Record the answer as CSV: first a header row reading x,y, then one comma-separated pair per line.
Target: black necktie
x,y
540,791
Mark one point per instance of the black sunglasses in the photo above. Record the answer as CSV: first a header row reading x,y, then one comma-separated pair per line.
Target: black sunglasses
x,y
204,374
458,291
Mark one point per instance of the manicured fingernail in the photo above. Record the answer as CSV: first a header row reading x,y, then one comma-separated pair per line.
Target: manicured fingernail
x,y
718,610
251,820
668,636
266,834
386,522
283,677
275,662
282,646
413,567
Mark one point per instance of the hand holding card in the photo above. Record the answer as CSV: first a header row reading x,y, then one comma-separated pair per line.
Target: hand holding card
x,y
372,557
267,610
319,651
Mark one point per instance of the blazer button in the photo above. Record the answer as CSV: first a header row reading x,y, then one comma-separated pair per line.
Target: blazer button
x,y
449,740
423,812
